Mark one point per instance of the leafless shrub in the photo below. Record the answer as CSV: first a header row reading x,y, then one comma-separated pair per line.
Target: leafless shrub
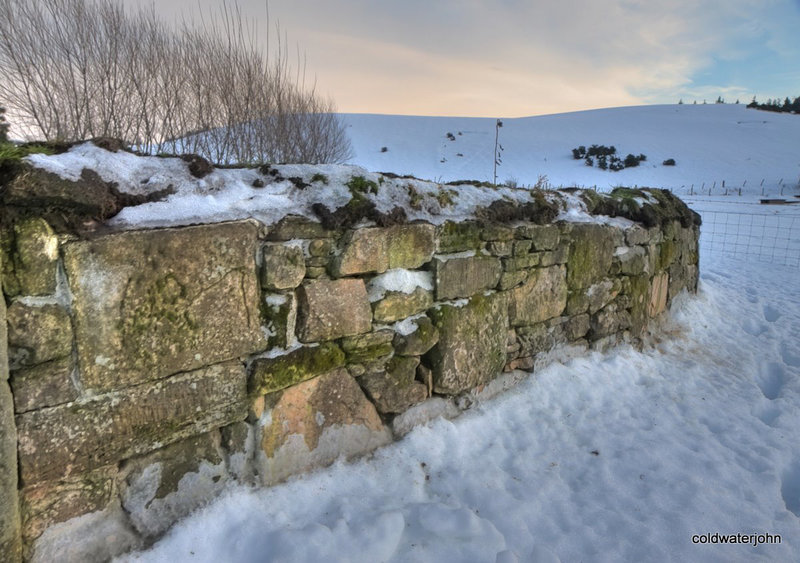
x,y
75,69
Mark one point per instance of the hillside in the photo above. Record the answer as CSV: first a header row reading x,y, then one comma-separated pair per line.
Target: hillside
x,y
710,143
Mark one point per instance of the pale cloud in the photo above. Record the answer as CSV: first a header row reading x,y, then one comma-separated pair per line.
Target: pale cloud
x,y
515,57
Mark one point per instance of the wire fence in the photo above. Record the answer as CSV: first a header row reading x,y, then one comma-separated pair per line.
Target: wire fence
x,y
768,238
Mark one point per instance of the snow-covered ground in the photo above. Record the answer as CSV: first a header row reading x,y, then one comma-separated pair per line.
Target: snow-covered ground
x,y
626,456
710,144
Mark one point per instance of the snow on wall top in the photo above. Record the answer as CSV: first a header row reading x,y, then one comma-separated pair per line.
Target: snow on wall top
x,y
270,194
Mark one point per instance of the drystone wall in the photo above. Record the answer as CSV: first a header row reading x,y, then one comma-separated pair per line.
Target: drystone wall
x,y
150,368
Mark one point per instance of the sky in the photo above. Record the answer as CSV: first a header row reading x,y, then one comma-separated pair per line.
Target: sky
x,y
513,58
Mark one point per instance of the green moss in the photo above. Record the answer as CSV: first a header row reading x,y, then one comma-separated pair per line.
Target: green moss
x,y
668,250
446,197
319,178
458,237
163,314
273,374
360,185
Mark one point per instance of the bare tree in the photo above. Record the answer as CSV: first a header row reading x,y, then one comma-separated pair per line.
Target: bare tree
x,y
76,69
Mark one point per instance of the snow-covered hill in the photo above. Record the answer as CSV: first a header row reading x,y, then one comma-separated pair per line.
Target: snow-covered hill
x,y
710,143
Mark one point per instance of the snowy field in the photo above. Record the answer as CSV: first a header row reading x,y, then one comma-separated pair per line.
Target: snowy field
x,y
627,456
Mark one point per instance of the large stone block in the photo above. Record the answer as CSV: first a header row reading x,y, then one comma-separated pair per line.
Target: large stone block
x,y
330,309
378,249
659,288
10,542
472,343
458,236
166,485
313,423
543,237
464,277
543,296
36,257
76,437
45,385
274,374
53,502
396,305
152,303
37,334
590,254
284,266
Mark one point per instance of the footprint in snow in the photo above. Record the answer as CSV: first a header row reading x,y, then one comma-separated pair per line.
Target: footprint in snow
x,y
790,488
768,414
772,380
790,355
752,295
771,313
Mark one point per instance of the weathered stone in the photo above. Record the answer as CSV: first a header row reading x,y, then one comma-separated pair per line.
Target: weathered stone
x,y
637,289
458,237
521,262
637,235
296,227
463,277
152,303
632,260
397,305
284,266
500,248
71,202
314,272
368,347
379,249
590,256
167,484
273,374
36,257
52,502
659,288
280,319
602,293
92,538
472,343
237,441
667,253
396,389
524,364
558,256
494,233
418,342
76,437
315,422
320,247
435,407
544,237
10,540
542,297
45,385
577,327
3,332
317,262
330,309
512,279
522,247
37,334
608,321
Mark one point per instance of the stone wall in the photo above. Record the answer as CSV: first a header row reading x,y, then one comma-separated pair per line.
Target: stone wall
x,y
150,368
